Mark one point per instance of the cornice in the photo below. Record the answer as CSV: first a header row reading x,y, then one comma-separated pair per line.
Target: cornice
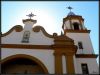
x,y
76,31
86,55
73,17
22,46
31,20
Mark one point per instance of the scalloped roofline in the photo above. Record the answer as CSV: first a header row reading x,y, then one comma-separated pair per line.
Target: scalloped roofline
x,y
19,28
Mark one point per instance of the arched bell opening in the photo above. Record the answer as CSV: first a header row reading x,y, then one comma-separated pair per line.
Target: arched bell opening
x,y
76,26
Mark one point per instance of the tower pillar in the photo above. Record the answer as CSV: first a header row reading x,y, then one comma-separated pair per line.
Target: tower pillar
x,y
69,64
58,63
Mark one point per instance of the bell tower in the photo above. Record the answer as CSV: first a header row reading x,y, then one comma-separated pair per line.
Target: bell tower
x,y
73,27
73,22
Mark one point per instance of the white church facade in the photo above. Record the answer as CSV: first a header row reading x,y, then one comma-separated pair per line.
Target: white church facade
x,y
31,50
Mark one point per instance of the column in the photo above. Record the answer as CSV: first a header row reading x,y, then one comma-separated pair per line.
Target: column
x,y
69,64
58,63
70,24
81,26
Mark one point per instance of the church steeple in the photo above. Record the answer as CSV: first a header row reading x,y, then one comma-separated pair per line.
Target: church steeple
x,y
73,22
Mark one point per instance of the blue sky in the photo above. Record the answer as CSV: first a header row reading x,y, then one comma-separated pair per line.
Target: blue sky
x,y
50,15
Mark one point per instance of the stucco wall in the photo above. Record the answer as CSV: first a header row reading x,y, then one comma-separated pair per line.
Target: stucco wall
x,y
86,41
36,38
67,25
91,63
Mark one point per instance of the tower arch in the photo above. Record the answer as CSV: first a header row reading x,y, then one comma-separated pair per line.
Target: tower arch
x,y
76,26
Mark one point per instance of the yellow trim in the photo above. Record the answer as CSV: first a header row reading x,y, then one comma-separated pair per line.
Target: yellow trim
x,y
58,63
70,64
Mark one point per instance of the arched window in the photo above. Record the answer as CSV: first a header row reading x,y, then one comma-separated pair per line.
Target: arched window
x,y
76,26
26,37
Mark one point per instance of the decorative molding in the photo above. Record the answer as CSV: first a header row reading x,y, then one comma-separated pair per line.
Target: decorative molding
x,y
63,38
38,28
73,17
31,20
23,46
17,28
76,31
63,41
86,55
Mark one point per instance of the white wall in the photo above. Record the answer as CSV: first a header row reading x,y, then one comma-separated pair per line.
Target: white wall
x,y
75,65
91,63
86,41
36,38
67,25
28,25
45,56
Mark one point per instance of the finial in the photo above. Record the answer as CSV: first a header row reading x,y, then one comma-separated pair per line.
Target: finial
x,y
70,8
31,15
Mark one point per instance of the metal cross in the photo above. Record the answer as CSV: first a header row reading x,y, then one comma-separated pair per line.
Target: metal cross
x,y
70,8
31,15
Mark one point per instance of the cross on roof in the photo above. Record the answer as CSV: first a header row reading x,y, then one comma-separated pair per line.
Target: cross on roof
x,y
70,8
31,15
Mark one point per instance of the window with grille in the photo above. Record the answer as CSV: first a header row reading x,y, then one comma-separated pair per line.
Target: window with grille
x,y
84,69
26,37
80,45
